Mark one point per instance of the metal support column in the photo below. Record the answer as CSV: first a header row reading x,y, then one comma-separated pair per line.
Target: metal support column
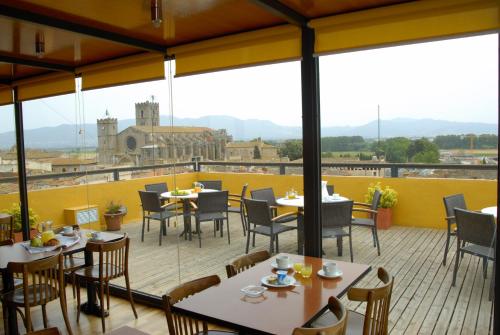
x,y
311,139
496,308
21,166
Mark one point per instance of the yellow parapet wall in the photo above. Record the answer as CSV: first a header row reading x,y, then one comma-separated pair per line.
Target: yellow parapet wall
x,y
420,201
49,204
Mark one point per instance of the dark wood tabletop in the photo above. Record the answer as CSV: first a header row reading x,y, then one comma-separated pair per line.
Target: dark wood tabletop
x,y
279,310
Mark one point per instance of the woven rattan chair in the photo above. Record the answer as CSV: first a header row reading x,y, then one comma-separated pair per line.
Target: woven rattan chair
x,y
371,221
259,215
152,209
212,206
337,327
113,263
245,262
179,324
239,206
49,286
450,203
336,218
160,188
478,231
212,184
6,227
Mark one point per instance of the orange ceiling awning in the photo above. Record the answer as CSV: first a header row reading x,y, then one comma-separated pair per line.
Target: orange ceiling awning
x,y
405,23
246,49
127,70
45,86
6,97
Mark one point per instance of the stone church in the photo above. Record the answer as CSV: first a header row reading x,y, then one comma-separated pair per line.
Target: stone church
x,y
149,143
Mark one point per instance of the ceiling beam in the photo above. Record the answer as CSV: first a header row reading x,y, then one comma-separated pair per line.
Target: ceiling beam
x,y
7,58
6,82
277,8
56,22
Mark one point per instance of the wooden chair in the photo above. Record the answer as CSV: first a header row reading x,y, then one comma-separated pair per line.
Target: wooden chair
x,y
376,318
43,281
336,328
240,206
371,221
245,262
6,227
113,263
179,324
48,331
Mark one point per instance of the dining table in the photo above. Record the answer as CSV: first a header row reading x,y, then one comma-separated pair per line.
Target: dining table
x,y
298,202
280,309
18,253
186,207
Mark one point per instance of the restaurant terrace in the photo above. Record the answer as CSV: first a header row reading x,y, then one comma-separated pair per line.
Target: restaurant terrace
x,y
183,221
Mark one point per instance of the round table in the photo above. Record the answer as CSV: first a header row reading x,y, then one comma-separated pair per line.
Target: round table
x,y
490,210
186,208
299,203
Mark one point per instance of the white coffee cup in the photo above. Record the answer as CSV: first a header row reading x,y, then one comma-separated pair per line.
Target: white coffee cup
x,y
68,230
96,235
282,261
330,268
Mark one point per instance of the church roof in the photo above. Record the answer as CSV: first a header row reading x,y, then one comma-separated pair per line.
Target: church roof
x,y
248,144
168,129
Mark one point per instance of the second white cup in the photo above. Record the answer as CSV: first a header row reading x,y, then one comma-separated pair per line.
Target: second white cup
x,y
282,262
330,268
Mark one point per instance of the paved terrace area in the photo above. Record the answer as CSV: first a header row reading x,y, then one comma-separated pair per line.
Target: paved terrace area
x,y
423,301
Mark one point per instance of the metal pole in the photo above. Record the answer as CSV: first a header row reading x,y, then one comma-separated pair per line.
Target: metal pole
x,y
496,311
378,123
21,166
311,135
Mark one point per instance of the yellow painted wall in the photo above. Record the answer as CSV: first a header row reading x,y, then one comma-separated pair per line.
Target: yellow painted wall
x,y
49,204
420,200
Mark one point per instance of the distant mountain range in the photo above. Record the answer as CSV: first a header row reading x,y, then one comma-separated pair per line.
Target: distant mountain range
x,y
65,136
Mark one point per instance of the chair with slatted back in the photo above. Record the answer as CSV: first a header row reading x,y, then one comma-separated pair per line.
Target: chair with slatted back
x,y
113,263
337,327
6,226
179,324
239,207
245,262
43,281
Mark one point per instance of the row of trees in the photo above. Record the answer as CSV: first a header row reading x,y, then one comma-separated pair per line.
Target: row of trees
x,y
471,141
403,150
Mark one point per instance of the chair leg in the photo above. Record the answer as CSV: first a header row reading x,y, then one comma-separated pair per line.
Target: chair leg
x,y
350,248
143,224
253,242
248,242
107,296
215,227
161,232
446,247
164,224
77,300
376,240
198,228
44,316
277,244
243,224
485,267
148,224
101,302
129,291
455,269
463,245
373,237
221,226
340,243
271,245
228,237
64,309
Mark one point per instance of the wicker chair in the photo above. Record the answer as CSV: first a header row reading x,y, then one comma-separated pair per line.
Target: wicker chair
x,y
240,206
336,218
450,203
212,184
212,206
245,262
371,221
179,324
152,209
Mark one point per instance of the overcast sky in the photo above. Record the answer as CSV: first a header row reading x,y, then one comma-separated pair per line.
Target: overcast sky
x,y
451,80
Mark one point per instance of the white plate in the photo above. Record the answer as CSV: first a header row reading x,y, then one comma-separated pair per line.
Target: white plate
x,y
253,290
337,274
274,265
289,281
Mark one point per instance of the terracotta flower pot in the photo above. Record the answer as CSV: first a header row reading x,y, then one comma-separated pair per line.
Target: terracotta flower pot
x,y
113,221
18,236
384,218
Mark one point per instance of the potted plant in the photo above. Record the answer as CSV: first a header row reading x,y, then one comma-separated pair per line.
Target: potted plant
x,y
388,199
15,211
114,215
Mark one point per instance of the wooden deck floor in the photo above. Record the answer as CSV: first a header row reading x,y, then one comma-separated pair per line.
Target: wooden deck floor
x,y
423,300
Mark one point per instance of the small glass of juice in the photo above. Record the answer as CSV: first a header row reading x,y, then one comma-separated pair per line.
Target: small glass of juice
x,y
306,270
297,267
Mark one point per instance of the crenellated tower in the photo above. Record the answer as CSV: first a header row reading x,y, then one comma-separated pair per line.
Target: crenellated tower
x,y
107,130
147,114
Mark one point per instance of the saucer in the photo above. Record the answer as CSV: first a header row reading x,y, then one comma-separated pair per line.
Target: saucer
x,y
289,281
274,265
337,274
